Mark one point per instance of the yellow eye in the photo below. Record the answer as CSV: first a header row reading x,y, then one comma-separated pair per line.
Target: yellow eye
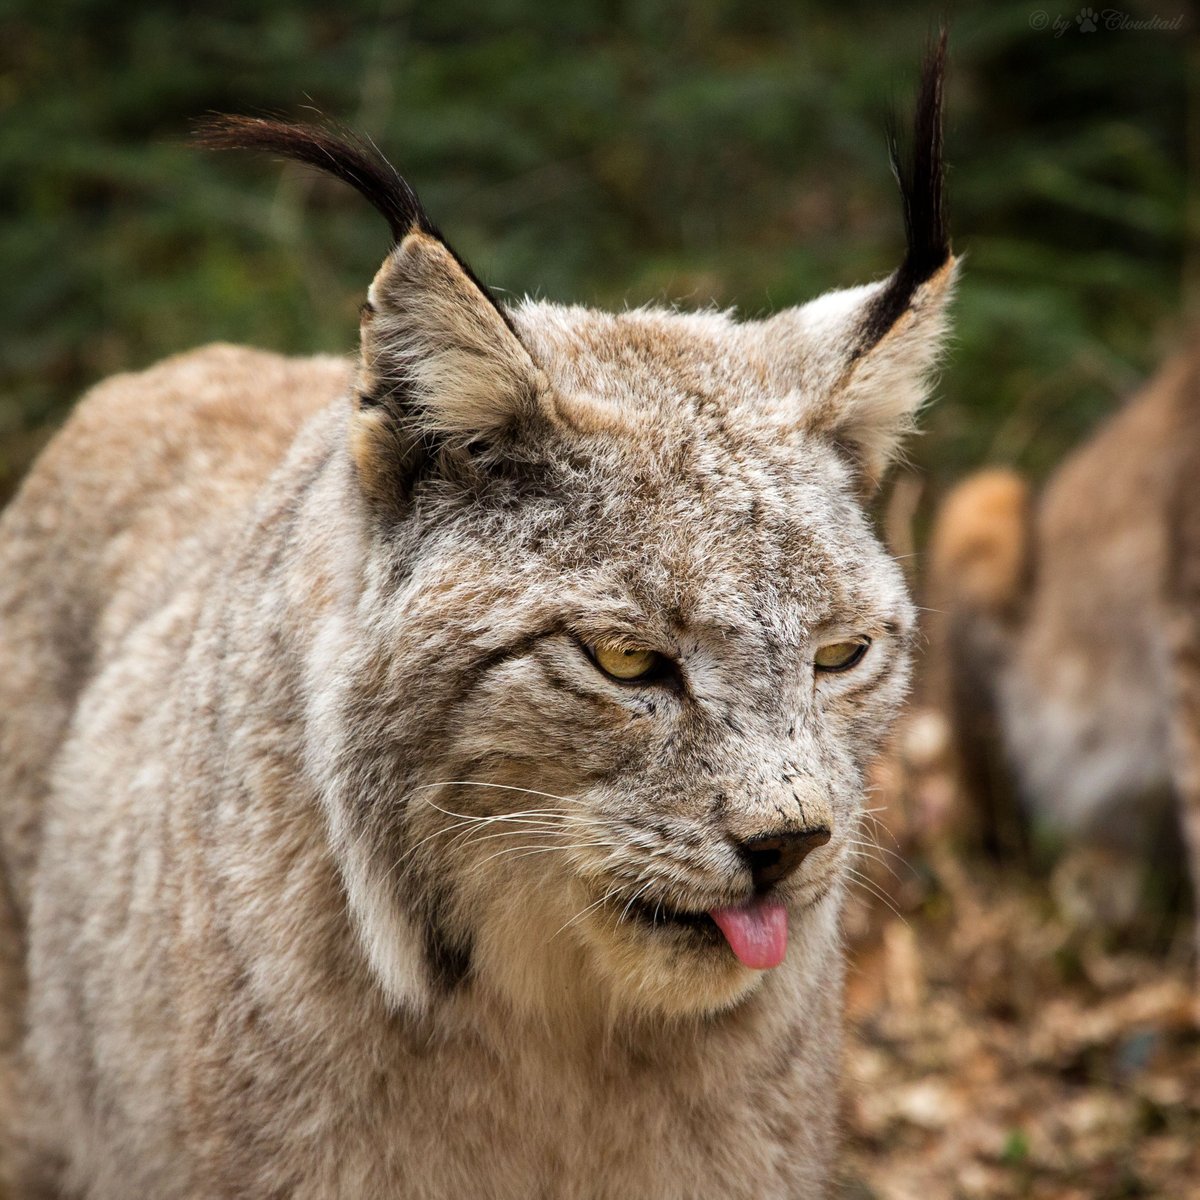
x,y
840,656
622,663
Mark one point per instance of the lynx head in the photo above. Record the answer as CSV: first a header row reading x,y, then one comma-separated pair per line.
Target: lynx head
x,y
618,639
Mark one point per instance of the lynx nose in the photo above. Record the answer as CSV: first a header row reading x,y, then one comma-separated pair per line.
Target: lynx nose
x,y
774,856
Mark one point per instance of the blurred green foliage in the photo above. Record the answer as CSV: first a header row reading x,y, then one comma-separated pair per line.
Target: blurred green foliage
x,y
698,152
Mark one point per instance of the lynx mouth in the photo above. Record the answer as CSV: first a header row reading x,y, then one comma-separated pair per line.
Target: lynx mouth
x,y
661,916
755,930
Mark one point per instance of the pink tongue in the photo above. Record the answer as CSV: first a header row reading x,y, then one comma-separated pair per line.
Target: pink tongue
x,y
756,931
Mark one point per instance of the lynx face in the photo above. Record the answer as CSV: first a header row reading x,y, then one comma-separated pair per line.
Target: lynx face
x,y
512,809
614,639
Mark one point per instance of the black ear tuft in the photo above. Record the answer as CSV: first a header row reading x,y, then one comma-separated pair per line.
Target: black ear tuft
x,y
344,156
921,179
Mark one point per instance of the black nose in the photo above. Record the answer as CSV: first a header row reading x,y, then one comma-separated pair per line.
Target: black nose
x,y
774,856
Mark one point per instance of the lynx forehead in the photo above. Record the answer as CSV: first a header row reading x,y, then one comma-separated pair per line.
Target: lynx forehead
x,y
425,779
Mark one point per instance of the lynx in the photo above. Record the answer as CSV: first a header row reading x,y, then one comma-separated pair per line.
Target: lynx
x,y
1074,619
436,777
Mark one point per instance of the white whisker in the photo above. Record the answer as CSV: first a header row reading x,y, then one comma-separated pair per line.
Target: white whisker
x,y
525,851
869,885
507,787
584,911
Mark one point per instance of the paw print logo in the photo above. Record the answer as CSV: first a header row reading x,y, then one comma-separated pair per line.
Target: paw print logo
x,y
1086,20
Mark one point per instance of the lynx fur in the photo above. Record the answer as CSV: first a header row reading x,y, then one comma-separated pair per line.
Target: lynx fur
x,y
1074,616
334,864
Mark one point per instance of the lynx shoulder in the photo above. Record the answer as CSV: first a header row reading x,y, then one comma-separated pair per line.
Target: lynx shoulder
x,y
434,777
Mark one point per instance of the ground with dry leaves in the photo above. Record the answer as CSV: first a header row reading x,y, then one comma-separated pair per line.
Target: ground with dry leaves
x,y
1002,1047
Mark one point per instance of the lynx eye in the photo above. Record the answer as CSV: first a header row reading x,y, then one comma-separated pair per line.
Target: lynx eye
x,y
625,664
840,656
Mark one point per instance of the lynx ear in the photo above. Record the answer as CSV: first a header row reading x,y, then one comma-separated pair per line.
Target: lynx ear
x,y
440,363
859,359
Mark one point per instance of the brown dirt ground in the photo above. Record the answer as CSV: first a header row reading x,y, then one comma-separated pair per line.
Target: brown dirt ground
x,y
1000,1047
